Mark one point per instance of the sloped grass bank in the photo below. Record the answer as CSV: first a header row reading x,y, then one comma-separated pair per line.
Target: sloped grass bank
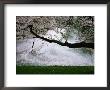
x,y
54,69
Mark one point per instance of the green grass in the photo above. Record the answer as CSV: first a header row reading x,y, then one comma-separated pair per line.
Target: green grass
x,y
54,69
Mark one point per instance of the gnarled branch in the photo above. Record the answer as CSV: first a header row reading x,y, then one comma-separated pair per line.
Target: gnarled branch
x,y
70,45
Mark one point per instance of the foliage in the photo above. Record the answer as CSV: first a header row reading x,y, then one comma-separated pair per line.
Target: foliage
x,y
83,25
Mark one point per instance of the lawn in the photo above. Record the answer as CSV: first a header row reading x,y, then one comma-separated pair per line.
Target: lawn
x,y
54,69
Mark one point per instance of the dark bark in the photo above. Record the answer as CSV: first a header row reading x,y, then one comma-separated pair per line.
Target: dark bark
x,y
70,45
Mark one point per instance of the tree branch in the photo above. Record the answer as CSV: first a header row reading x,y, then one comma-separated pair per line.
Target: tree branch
x,y
74,45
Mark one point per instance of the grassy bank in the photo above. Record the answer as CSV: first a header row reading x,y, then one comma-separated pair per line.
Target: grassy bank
x,y
54,69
